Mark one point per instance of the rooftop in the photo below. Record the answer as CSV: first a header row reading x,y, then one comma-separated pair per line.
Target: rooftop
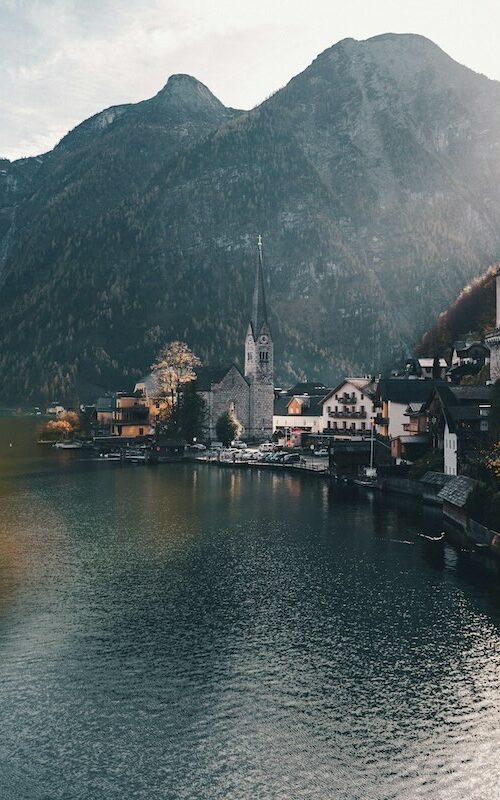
x,y
457,491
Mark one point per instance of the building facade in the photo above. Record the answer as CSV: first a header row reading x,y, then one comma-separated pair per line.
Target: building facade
x,y
349,407
493,339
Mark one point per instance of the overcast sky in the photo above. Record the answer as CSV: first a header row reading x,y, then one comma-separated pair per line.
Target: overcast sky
x,y
63,60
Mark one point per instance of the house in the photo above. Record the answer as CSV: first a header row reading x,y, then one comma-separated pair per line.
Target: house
x,y
454,496
299,410
55,410
349,457
409,447
458,423
349,408
412,444
432,483
105,407
395,396
149,387
130,415
468,358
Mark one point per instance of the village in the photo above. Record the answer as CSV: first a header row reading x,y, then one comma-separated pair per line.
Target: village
x,y
429,431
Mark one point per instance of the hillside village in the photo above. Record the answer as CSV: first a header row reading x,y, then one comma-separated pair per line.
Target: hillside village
x,y
439,416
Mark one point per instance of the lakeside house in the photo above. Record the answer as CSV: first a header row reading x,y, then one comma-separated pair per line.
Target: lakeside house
x,y
395,397
130,415
458,422
349,408
299,410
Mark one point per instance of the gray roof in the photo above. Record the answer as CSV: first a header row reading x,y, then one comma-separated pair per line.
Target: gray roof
x,y
406,390
106,404
436,478
207,376
417,438
471,393
313,409
308,388
457,491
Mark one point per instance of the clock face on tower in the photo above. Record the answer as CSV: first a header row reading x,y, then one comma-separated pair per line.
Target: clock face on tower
x,y
264,339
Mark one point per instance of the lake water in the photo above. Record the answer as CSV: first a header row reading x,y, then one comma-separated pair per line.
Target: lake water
x,y
195,633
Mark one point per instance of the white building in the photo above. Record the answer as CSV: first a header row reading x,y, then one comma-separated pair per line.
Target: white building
x,y
349,407
300,410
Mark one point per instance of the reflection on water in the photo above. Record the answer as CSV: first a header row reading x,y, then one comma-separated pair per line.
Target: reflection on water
x,y
180,632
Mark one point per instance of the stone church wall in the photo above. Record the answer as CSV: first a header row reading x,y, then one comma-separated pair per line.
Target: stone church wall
x,y
261,411
233,389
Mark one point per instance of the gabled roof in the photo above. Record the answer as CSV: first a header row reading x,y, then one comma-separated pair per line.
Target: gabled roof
x,y
457,491
281,405
436,478
407,390
308,388
314,406
365,385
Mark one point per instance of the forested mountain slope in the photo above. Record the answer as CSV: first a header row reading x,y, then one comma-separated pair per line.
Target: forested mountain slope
x,y
373,176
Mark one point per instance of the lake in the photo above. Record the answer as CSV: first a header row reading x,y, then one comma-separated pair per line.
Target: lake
x,y
188,632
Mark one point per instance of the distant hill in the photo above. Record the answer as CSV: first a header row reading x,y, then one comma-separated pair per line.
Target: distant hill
x,y
374,177
473,310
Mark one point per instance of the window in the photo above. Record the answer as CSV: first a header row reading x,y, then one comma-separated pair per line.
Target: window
x,y
232,406
328,424
363,409
141,431
363,426
263,355
329,409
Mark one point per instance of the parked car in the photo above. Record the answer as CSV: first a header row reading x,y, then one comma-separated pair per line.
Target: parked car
x,y
322,452
239,445
197,446
291,458
266,447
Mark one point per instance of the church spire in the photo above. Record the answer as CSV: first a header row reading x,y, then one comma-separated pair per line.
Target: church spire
x,y
259,310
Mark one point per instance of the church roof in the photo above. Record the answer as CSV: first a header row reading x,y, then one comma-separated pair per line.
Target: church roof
x,y
259,307
207,376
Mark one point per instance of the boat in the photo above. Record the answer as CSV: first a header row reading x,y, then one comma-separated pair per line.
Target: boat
x,y
68,445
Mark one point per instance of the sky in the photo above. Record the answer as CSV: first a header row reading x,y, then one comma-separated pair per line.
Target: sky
x,y
63,60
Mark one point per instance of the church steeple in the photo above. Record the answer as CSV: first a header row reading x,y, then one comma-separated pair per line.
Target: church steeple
x,y
259,309
259,351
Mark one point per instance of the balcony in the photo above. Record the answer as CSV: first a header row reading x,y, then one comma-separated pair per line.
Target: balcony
x,y
131,414
380,420
347,399
347,414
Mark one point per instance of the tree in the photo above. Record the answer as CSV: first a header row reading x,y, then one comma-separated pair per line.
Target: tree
x,y
228,427
191,413
174,367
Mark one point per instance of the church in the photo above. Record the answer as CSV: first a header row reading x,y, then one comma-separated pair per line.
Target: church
x,y
249,394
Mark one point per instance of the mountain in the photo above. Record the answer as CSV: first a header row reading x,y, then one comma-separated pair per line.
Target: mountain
x,y
373,176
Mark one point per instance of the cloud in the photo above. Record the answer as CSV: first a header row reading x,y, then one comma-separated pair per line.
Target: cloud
x,y
63,60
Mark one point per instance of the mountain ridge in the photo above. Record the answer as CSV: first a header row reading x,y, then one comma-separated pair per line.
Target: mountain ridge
x,y
373,176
